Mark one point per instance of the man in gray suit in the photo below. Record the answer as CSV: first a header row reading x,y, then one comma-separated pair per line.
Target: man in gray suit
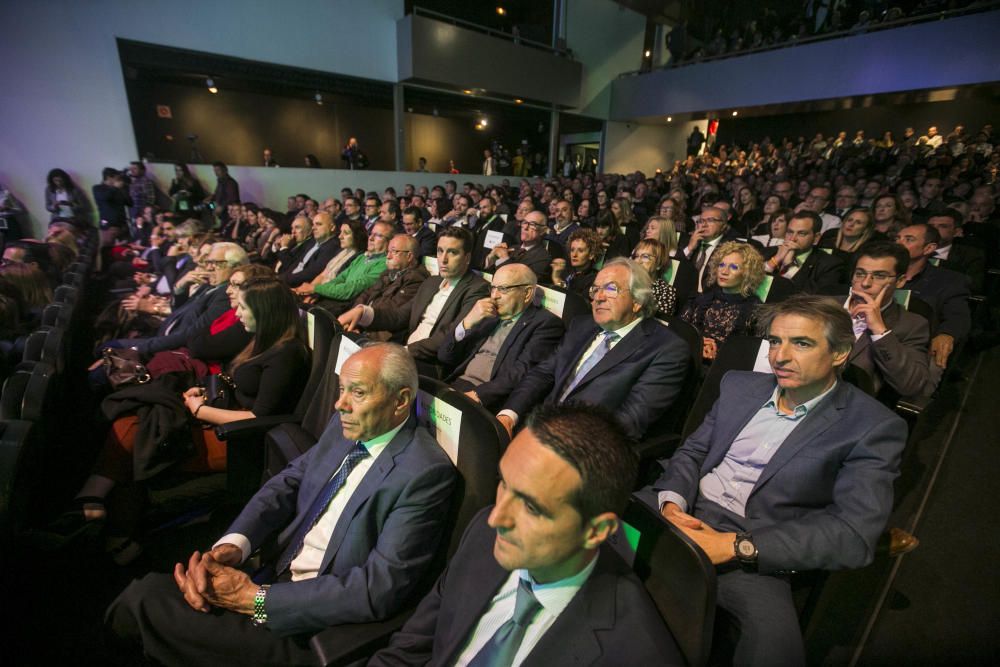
x,y
358,519
788,472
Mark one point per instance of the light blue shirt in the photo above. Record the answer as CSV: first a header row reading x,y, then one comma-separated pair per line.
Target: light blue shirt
x,y
730,483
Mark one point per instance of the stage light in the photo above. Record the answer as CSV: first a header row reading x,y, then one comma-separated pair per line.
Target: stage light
x,y
670,119
211,86
318,98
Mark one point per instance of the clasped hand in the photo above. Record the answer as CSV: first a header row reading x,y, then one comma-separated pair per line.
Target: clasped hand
x,y
719,547
211,580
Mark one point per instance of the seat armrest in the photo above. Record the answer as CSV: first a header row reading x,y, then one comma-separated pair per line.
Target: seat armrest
x,y
912,406
658,447
344,644
246,428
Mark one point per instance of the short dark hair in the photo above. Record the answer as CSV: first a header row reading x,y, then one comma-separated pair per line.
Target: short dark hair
x,y
414,211
931,235
811,215
837,325
460,233
883,249
393,207
109,172
591,440
220,165
954,214
136,163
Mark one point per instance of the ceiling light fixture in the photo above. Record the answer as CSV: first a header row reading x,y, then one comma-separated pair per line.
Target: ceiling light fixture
x,y
736,113
318,98
647,53
518,100
670,119
211,86
501,11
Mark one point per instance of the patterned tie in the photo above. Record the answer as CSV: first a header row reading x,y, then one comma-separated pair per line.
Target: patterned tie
x,y
500,650
788,267
319,505
602,349
702,256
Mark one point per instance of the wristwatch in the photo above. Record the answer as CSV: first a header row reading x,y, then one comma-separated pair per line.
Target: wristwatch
x,y
259,613
746,550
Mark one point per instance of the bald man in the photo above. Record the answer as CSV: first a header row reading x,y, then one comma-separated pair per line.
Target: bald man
x,y
500,339
317,253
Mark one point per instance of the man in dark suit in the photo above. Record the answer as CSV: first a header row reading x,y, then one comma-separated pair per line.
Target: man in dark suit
x,y
315,254
198,312
290,247
358,519
530,251
788,472
711,230
533,581
954,255
438,306
415,227
889,342
622,359
489,221
500,339
809,268
947,292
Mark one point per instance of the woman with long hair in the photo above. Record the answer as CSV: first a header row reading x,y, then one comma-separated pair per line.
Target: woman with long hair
x,y
855,230
353,241
747,212
185,190
64,199
727,308
266,378
777,225
612,242
662,229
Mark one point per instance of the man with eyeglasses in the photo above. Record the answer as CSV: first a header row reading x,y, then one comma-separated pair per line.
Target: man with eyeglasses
x,y
372,214
500,339
397,285
415,227
338,294
889,342
562,226
708,234
531,251
623,359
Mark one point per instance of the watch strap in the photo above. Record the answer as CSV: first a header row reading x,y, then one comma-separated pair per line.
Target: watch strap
x,y
259,599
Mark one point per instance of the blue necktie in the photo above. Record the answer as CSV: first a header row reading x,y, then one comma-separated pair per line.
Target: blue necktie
x,y
602,349
319,505
502,647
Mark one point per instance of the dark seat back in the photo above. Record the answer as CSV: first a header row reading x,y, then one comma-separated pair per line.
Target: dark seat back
x,y
673,419
562,303
737,353
678,576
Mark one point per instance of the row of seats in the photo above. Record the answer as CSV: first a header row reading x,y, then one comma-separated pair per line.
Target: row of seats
x,y
31,396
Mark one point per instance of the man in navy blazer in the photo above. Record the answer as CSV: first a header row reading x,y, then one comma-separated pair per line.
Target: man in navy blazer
x,y
500,339
358,520
788,472
622,359
563,481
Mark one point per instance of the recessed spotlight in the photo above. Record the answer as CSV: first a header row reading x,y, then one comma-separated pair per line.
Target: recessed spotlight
x,y
647,53
501,11
670,119
318,98
467,91
518,100
211,86
484,122
736,113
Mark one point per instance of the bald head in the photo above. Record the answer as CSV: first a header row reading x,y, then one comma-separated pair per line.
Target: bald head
x,y
513,290
322,226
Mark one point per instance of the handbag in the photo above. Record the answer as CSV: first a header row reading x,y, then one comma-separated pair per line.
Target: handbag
x,y
220,392
124,367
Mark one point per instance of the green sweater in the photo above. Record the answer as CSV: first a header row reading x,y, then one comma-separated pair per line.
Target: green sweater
x,y
359,275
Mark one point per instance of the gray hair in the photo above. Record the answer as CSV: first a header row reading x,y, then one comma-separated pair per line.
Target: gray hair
x,y
234,253
398,368
837,326
640,285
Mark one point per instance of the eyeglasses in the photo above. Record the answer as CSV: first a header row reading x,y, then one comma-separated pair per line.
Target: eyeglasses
x,y
374,235
644,257
610,291
534,224
236,285
506,289
705,221
731,267
215,263
877,276
390,251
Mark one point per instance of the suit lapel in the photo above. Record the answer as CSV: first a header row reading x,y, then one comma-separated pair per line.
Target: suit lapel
x,y
724,439
822,417
623,349
582,344
475,602
369,484
519,328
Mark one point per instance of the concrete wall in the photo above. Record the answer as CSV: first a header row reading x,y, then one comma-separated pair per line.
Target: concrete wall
x,y
271,187
630,147
939,54
66,106
607,39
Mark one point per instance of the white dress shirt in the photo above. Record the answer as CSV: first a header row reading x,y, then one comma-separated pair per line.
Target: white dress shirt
x,y
433,311
554,598
306,565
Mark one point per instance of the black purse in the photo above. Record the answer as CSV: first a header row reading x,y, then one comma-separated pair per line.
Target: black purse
x,y
220,392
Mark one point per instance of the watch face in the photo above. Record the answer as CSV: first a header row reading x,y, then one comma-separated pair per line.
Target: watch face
x,y
746,548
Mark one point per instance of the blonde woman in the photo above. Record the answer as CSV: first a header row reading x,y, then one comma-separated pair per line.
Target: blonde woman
x,y
727,308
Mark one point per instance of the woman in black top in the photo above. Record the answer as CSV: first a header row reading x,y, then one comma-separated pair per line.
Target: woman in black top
x,y
268,374
583,248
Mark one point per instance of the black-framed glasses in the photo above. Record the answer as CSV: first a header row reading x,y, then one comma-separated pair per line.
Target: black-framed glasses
x,y
610,291
877,276
506,289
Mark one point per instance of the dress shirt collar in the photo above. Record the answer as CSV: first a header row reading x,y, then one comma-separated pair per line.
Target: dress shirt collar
x,y
800,410
800,258
627,329
380,442
555,596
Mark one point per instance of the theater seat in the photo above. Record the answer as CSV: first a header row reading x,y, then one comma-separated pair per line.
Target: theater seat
x,y
563,304
677,575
